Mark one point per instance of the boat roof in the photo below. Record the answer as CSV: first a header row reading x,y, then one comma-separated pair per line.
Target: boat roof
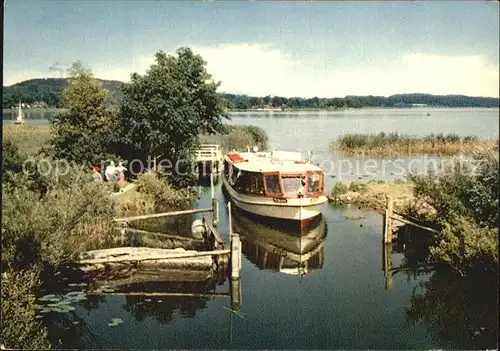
x,y
276,161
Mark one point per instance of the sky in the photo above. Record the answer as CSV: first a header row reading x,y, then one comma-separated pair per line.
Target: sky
x,y
307,49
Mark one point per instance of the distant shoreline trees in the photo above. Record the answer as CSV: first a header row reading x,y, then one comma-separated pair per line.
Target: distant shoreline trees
x,y
49,91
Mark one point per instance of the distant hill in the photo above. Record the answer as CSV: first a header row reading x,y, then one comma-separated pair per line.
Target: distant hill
x,y
48,90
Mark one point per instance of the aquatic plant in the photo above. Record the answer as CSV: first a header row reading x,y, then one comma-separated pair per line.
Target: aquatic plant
x,y
396,144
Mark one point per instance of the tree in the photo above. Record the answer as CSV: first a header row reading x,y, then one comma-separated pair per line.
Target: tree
x,y
85,131
163,112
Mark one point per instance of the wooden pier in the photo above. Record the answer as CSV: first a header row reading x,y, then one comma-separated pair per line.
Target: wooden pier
x,y
217,260
208,159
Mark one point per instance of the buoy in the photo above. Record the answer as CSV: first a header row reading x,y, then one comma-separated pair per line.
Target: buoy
x,y
198,230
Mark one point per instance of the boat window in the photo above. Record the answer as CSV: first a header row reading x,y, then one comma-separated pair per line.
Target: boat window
x,y
291,184
314,183
249,182
256,183
273,184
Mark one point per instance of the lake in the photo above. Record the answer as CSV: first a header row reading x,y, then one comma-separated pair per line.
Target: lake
x,y
341,302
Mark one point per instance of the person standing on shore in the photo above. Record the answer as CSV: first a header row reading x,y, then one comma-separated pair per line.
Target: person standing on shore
x,y
97,174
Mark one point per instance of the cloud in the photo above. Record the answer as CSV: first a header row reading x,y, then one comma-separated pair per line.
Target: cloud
x,y
264,69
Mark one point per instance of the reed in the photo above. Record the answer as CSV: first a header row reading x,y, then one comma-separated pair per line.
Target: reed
x,y
388,144
28,137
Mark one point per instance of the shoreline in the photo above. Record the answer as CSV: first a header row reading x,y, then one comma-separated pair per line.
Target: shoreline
x,y
371,196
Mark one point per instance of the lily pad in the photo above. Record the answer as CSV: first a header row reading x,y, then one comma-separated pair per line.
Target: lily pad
x,y
74,293
60,310
82,284
45,310
114,322
38,307
108,290
54,299
46,297
38,316
78,298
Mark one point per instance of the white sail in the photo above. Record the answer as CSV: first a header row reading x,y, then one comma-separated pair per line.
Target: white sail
x,y
19,119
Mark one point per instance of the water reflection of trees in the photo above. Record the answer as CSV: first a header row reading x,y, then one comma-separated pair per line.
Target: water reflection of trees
x,y
162,308
462,311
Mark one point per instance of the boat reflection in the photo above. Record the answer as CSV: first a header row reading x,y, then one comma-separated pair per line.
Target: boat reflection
x,y
279,248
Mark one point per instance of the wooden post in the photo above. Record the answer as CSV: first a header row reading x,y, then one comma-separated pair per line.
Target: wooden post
x,y
388,221
215,212
235,294
387,253
230,219
235,256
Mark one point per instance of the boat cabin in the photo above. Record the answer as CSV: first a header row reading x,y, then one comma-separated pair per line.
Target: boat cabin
x,y
265,174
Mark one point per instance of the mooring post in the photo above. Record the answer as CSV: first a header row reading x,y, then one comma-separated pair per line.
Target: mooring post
x,y
229,219
388,221
235,294
215,204
388,266
235,256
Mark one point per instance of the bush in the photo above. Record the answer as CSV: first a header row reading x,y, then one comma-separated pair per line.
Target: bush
x,y
160,196
20,328
55,227
239,137
465,246
359,187
339,189
466,205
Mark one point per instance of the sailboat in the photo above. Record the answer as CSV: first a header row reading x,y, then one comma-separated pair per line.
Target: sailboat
x,y
19,119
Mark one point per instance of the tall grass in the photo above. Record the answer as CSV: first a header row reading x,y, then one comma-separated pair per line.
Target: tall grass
x,y
238,138
395,144
29,138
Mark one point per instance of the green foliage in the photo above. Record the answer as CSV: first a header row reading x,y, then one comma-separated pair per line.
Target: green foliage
x,y
466,205
72,217
20,328
354,141
164,111
86,130
359,187
243,102
464,246
238,138
156,191
339,189
48,91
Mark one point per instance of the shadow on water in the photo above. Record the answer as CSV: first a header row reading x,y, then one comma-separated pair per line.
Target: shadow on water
x,y
459,312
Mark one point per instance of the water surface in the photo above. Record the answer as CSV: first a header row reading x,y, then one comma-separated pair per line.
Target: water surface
x,y
342,301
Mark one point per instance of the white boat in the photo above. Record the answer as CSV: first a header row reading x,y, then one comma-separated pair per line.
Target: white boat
x,y
19,119
277,184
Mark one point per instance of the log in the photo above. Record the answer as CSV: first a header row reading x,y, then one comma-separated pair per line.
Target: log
x,y
163,214
127,254
161,235
432,230
211,231
133,293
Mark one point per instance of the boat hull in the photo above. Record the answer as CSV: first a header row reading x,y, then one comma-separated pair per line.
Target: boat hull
x,y
299,211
